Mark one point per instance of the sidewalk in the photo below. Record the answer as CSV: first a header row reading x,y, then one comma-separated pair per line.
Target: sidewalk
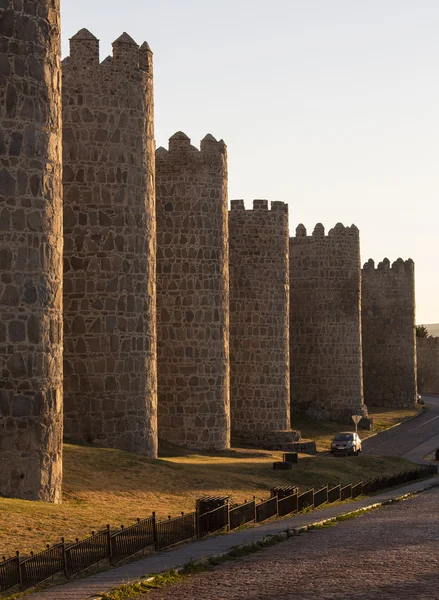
x,y
95,585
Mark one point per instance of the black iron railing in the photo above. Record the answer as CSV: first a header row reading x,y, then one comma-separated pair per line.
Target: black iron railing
x,y
241,515
334,494
132,540
149,534
175,531
287,505
320,497
266,509
306,500
213,521
346,492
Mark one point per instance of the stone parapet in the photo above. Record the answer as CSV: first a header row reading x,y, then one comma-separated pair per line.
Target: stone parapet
x,y
31,249
193,293
325,330
259,313
389,334
110,245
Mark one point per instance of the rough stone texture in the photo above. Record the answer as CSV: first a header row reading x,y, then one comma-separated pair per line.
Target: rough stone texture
x,y
259,312
30,251
193,294
110,370
325,331
427,361
389,333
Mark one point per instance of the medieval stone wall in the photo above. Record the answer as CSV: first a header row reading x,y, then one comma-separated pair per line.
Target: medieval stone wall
x,y
193,294
31,249
325,331
109,260
427,362
389,342
259,313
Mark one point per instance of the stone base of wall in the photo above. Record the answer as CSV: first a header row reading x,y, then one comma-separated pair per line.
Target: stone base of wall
x,y
343,415
394,403
268,440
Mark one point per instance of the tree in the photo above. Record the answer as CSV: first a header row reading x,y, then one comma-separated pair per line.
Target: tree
x,y
421,331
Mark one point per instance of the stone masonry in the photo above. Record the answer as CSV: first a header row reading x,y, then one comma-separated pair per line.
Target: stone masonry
x,y
110,249
389,342
259,313
31,249
325,331
427,361
193,294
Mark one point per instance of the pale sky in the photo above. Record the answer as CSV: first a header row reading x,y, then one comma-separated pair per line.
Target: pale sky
x,y
329,105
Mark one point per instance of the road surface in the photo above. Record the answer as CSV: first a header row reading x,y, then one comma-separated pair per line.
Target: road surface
x,y
388,554
413,439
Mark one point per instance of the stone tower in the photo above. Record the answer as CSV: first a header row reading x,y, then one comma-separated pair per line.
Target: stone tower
x,y
193,294
110,250
259,313
325,330
427,363
30,251
389,333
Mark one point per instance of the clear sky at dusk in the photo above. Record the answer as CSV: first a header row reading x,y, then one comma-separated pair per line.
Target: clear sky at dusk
x,y
331,106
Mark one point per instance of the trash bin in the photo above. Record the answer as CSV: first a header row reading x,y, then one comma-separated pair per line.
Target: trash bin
x,y
436,455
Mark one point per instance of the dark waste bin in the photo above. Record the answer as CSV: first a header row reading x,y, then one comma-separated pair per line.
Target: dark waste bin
x,y
436,455
291,457
282,466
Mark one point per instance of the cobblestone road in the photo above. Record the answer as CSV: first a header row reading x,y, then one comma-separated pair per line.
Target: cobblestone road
x,y
391,553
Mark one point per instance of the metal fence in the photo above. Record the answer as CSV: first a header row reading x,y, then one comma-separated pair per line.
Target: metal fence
x,y
287,505
10,576
149,534
213,521
240,515
334,494
266,509
132,540
305,500
174,531
346,492
320,496
357,489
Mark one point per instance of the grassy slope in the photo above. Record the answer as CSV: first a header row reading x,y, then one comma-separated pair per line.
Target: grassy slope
x,y
108,486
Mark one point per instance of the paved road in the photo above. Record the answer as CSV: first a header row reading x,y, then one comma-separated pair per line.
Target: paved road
x,y
389,554
413,439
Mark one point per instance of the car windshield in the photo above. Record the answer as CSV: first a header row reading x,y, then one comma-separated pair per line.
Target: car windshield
x,y
343,437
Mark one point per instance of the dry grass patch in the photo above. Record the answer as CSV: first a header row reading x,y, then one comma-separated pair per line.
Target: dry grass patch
x,y
109,486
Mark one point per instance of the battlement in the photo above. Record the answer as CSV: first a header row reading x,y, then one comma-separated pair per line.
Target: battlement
x,y
84,52
399,266
259,205
180,148
338,231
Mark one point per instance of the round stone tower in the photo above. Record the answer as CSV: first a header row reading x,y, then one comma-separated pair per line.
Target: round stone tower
x,y
259,313
110,369
31,250
192,293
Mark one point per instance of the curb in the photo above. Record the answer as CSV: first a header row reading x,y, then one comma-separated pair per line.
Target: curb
x,y
291,532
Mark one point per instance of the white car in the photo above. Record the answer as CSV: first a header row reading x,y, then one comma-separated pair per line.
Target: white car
x,y
346,443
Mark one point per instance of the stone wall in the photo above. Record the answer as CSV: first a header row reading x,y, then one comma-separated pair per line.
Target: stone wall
x,y
325,331
193,294
109,262
30,251
259,312
427,361
389,343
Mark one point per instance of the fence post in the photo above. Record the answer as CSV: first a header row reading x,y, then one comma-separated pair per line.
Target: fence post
x,y
254,508
109,548
154,532
20,579
228,516
64,558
